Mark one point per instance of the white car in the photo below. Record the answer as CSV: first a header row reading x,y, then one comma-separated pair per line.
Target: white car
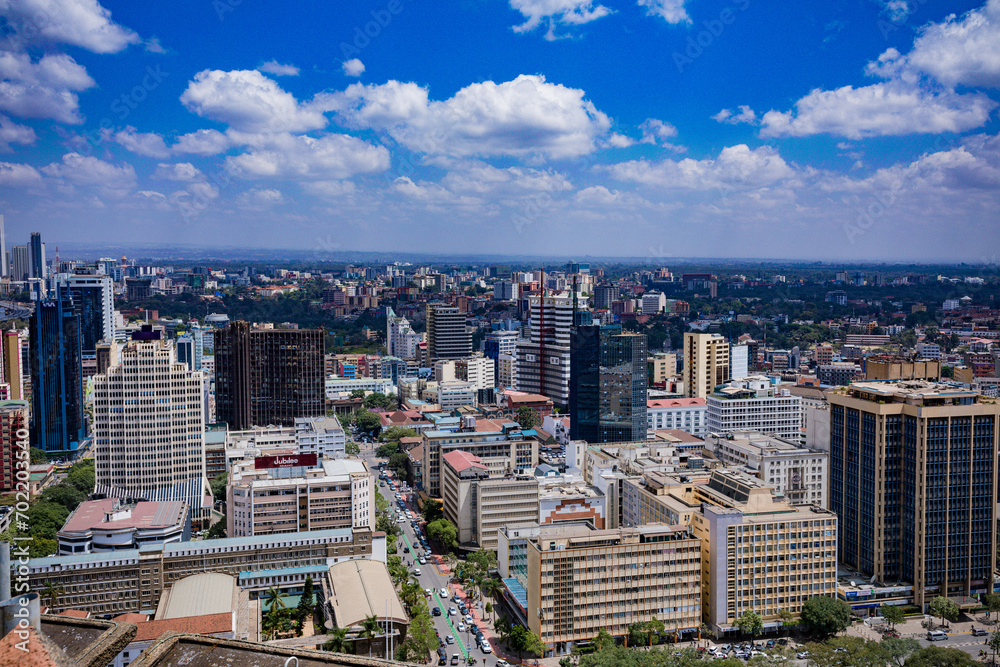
x,y
461,627
444,593
485,645
417,572
502,663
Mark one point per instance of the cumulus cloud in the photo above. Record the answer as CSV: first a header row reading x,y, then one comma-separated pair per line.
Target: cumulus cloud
x,y
616,140
45,88
353,67
14,175
598,196
656,131
248,101
743,114
329,189
87,171
962,50
555,13
14,133
277,69
735,167
286,156
481,178
149,144
526,116
179,171
83,23
671,11
258,198
202,142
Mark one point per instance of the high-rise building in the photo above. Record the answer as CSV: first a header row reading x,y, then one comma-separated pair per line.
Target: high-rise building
x,y
543,361
56,375
605,295
94,300
607,389
505,290
913,478
653,303
39,268
401,339
739,361
13,419
268,376
149,427
13,369
706,363
4,264
20,263
754,404
447,335
500,343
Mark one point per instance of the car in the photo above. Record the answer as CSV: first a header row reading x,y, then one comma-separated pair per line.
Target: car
x,y
802,655
436,611
406,550
423,561
461,627
468,619
770,643
452,611
454,659
486,647
937,636
429,592
449,639
979,632
743,655
400,520
502,663
444,593
416,571
442,660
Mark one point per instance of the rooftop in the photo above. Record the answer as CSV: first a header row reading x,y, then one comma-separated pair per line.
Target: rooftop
x,y
362,588
460,460
110,514
675,403
198,595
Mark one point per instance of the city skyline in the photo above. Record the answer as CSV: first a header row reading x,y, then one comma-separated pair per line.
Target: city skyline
x,y
653,128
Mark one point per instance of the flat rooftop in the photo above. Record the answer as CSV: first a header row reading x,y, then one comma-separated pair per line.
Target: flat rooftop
x,y
109,514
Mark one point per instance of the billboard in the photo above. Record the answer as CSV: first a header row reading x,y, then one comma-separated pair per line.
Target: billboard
x,y
285,461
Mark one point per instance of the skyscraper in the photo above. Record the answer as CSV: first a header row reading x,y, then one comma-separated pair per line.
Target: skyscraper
x,y
4,266
913,478
607,390
604,296
94,300
543,361
706,363
38,266
447,335
20,263
268,376
56,370
149,425
13,369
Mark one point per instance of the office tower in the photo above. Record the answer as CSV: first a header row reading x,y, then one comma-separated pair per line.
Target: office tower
x,y
108,355
4,265
604,296
268,376
56,375
706,363
13,418
38,266
607,390
543,361
499,343
447,335
149,427
13,369
94,300
913,478
653,303
138,289
505,290
20,263
739,361
754,404
185,350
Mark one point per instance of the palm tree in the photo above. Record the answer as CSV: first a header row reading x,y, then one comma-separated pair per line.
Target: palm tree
x,y
51,592
370,628
410,593
338,642
275,607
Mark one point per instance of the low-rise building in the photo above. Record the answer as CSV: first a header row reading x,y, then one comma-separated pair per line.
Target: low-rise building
x,y
685,414
112,525
322,436
837,373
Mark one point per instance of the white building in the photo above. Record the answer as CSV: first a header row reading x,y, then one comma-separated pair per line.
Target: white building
x,y
685,414
337,388
322,436
505,290
401,339
452,394
110,525
507,370
739,361
928,350
795,472
653,303
478,371
754,404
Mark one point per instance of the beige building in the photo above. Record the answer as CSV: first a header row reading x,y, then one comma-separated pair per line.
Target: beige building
x,y
580,580
338,493
661,365
706,363
902,369
356,590
517,454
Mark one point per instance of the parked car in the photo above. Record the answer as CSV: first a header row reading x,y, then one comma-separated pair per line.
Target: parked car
x,y
485,645
452,611
449,639
802,655
979,632
937,636
454,658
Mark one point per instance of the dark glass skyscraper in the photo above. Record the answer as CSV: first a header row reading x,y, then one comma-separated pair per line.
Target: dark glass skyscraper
x,y
607,391
56,375
37,250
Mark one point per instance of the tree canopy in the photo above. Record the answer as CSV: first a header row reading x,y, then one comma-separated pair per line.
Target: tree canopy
x,y
825,615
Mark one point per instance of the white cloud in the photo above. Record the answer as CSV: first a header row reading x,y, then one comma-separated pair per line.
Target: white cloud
x,y
882,109
248,101
329,189
555,13
353,67
616,140
83,23
277,69
671,11
599,196
962,51
13,133
285,156
736,167
744,114
14,175
480,178
258,198
526,116
87,171
43,88
179,171
149,144
202,142
152,45
656,131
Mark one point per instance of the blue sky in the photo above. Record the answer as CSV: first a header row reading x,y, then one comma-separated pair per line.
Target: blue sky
x,y
664,128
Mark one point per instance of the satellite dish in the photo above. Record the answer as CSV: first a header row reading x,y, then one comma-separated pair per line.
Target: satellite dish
x,y
853,583
872,580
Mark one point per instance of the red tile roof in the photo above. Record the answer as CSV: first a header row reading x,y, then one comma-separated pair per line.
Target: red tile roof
x,y
130,617
209,624
676,403
75,613
460,460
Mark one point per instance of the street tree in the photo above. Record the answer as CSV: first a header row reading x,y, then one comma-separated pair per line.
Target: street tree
x,y
825,615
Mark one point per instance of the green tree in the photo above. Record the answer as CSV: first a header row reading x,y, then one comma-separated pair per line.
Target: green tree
x,y
377,400
51,592
421,637
992,602
503,628
352,448
358,393
937,656
894,650
217,529
750,623
893,614
388,449
443,532
603,640
370,629
338,641
218,485
367,422
994,643
433,510
307,602
825,615
524,641
38,456
944,608
527,417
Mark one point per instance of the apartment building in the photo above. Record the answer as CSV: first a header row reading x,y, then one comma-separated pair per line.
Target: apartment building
x,y
447,335
683,414
519,455
580,580
837,373
543,360
754,404
133,580
322,436
287,494
706,363
479,371
913,478
797,473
